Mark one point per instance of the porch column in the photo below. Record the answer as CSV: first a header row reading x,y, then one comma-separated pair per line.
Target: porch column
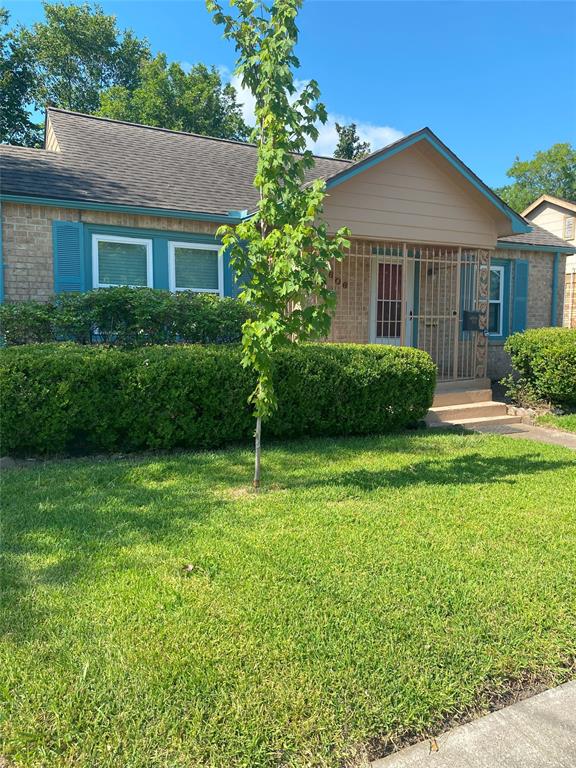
x,y
482,304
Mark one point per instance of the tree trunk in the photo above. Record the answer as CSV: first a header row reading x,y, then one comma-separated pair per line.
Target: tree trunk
x,y
257,435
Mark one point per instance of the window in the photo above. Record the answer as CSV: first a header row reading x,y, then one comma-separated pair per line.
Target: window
x,y
568,228
496,301
121,261
195,267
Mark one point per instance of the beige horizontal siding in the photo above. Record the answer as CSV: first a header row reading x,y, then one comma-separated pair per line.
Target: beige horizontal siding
x,y
416,197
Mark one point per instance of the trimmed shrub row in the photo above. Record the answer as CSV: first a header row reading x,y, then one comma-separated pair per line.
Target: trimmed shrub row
x,y
65,398
545,358
126,317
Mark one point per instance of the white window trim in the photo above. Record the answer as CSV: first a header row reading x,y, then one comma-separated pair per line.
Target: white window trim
x,y
565,234
500,300
172,245
117,239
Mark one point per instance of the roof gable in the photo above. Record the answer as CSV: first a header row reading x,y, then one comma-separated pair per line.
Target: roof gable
x,y
568,205
426,135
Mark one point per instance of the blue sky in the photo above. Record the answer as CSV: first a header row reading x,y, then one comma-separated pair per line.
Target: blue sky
x,y
492,79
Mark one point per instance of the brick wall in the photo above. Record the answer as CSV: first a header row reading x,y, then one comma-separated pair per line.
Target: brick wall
x,y
539,301
27,242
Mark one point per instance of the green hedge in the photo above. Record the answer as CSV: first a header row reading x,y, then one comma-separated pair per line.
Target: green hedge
x,y
545,359
125,317
66,398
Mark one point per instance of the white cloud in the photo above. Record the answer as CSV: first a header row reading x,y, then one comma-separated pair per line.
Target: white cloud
x,y
377,135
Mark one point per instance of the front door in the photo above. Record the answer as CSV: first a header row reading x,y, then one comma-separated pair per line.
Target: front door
x,y
392,315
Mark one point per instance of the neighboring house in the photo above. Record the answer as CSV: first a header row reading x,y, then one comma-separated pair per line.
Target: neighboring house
x,y
559,217
436,261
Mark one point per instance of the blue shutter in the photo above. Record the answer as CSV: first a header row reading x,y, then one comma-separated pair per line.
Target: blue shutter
x,y
67,243
520,297
231,286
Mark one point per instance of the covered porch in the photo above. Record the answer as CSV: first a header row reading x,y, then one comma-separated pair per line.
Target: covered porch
x,y
432,297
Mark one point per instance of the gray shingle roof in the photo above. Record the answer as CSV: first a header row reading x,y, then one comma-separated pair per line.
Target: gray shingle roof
x,y
538,236
108,161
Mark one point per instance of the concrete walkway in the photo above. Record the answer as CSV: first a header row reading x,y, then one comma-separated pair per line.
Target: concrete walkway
x,y
529,432
539,732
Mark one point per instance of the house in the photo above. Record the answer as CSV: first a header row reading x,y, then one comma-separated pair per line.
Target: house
x,y
436,260
559,217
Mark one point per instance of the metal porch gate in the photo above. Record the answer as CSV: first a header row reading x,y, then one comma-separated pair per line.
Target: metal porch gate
x,y
415,295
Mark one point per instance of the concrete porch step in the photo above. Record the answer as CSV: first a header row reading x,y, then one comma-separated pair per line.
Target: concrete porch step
x,y
476,422
461,396
471,410
467,404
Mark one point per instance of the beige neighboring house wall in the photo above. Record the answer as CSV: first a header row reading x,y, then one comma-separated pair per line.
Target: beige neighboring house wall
x,y
556,216
27,242
559,217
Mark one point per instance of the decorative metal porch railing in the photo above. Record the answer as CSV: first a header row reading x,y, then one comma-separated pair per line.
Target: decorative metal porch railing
x,y
415,295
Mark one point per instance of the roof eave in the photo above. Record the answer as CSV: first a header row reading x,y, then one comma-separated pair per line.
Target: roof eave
x,y
93,205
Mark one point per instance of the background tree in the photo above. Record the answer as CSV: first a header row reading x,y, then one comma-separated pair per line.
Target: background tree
x,y
77,52
284,250
349,146
16,84
550,172
166,96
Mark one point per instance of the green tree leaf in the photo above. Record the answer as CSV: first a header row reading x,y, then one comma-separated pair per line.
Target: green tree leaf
x,y
283,252
16,85
168,97
349,146
550,172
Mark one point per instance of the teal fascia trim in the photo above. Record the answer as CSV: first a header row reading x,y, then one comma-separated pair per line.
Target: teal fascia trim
x,y
518,224
506,303
528,247
554,303
1,260
84,205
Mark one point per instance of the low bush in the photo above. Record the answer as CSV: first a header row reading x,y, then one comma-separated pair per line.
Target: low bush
x,y
125,317
69,398
545,361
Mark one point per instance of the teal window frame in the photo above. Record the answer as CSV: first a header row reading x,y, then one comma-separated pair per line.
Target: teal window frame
x,y
504,265
173,245
160,239
120,239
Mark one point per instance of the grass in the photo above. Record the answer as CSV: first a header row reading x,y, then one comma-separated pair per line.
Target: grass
x,y
376,588
566,421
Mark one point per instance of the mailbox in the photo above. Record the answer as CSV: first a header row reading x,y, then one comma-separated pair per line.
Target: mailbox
x,y
470,320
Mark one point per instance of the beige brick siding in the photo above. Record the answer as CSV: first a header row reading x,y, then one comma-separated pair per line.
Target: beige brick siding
x,y
540,266
351,280
27,242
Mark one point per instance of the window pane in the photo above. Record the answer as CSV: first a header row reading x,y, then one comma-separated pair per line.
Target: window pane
x,y
196,268
495,276
121,263
494,318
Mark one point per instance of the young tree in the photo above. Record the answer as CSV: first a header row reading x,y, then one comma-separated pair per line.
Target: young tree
x,y
16,84
169,97
283,250
77,52
349,146
551,172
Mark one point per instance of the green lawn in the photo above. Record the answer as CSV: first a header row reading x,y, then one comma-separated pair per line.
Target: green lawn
x,y
377,587
567,421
